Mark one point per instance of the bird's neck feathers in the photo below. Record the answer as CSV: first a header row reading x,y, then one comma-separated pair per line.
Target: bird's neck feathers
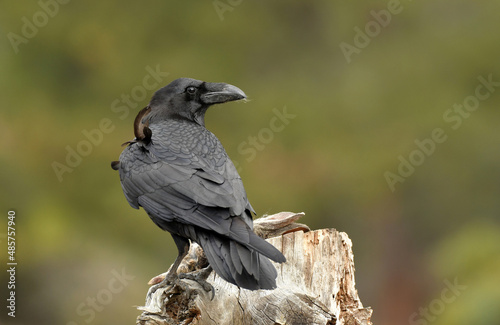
x,y
159,114
199,116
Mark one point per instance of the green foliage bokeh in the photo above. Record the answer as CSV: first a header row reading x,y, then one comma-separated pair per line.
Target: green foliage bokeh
x,y
352,121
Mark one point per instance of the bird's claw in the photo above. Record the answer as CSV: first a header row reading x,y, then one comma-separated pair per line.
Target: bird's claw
x,y
164,283
201,278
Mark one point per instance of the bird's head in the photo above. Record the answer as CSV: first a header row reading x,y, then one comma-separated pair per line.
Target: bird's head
x,y
189,99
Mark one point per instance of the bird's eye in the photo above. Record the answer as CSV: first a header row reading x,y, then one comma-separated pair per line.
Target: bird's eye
x,y
191,90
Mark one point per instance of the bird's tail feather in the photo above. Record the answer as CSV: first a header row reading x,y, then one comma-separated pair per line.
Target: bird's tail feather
x,y
238,264
240,232
236,229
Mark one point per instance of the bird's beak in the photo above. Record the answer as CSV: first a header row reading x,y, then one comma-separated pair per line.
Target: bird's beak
x,y
218,93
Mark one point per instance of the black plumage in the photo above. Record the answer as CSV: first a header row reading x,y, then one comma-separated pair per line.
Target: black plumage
x,y
179,172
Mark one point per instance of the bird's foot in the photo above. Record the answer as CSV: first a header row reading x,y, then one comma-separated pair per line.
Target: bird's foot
x,y
201,278
172,280
161,281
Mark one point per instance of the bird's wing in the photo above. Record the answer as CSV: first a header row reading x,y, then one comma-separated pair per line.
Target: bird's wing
x,y
169,181
186,190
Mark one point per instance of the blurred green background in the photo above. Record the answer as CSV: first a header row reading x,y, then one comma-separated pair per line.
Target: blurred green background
x,y
65,68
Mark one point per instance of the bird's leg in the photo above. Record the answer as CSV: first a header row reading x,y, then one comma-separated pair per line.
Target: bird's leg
x,y
183,248
171,276
201,277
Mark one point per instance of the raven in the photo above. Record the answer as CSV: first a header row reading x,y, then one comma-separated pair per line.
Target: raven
x,y
179,172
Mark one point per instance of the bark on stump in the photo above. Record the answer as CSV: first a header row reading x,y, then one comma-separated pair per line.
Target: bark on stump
x,y
315,285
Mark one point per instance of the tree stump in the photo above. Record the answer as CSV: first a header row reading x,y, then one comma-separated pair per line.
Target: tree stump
x,y
315,285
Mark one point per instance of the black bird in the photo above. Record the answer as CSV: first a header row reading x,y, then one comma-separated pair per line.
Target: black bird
x,y
180,174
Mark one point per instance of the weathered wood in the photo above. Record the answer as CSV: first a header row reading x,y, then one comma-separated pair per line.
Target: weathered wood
x,y
315,286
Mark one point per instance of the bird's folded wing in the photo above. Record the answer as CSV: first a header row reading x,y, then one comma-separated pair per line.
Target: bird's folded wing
x,y
169,183
193,195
